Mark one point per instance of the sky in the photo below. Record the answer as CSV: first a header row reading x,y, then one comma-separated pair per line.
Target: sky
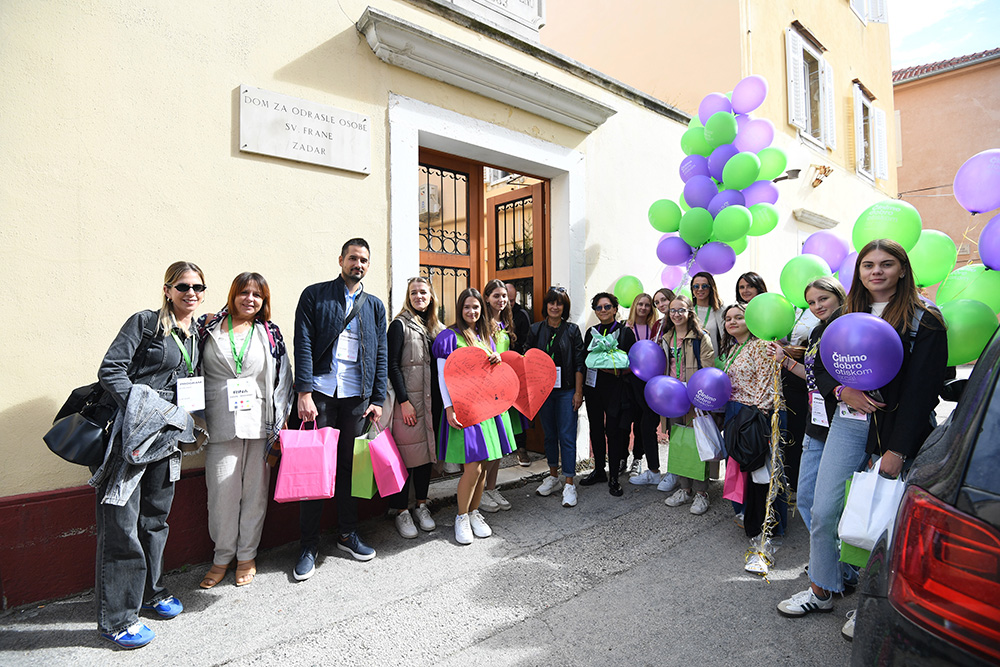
x,y
926,31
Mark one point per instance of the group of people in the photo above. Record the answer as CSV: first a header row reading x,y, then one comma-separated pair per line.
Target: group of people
x,y
234,369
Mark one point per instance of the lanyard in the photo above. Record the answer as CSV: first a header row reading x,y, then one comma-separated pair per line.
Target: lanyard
x,y
678,351
552,340
184,353
708,313
731,358
238,358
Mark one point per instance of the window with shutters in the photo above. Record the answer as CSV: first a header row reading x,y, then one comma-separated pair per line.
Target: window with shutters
x,y
811,103
873,11
870,148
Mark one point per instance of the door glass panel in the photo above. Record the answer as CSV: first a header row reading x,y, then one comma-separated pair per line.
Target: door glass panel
x,y
444,210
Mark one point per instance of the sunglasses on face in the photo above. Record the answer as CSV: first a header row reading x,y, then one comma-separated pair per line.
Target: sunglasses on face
x,y
184,287
699,286
606,306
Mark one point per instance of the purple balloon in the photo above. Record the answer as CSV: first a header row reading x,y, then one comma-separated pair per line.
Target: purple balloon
x,y
977,182
845,274
667,396
647,360
862,351
827,245
671,277
713,103
699,190
760,191
724,199
989,243
718,159
716,257
673,250
756,135
709,389
741,120
749,94
694,165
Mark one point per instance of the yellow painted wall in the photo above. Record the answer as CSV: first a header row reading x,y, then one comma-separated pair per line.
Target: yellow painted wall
x,y
119,126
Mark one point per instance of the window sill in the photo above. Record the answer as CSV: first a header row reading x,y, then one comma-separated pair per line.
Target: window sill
x,y
811,141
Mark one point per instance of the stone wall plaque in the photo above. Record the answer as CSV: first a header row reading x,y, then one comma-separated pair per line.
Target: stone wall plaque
x,y
295,129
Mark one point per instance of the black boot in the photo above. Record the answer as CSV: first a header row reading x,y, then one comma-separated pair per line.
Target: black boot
x,y
614,487
598,475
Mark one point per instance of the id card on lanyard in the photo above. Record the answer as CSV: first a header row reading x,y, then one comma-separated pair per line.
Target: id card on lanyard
x,y
190,390
818,409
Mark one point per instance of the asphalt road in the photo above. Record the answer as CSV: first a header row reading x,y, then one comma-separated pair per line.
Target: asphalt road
x,y
612,581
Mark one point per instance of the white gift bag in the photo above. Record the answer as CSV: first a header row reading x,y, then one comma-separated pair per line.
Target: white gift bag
x,y
870,509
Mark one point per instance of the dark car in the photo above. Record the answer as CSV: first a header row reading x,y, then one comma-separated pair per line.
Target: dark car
x,y
932,597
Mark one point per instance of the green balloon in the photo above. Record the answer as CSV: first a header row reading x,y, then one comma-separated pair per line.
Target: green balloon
x,y
694,122
974,282
798,272
686,291
720,129
665,215
765,218
683,203
770,316
693,142
696,227
627,289
970,326
741,170
732,222
891,219
772,163
739,245
932,258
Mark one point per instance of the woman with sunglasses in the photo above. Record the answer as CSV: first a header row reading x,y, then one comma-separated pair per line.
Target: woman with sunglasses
x,y
893,427
689,348
471,444
748,286
501,318
707,306
154,354
661,301
642,321
560,339
415,389
606,394
248,397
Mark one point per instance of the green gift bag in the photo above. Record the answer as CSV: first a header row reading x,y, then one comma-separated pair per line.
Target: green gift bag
x,y
362,473
851,554
682,454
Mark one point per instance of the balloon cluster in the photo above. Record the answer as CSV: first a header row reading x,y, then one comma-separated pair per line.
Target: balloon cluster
x,y
728,194
707,389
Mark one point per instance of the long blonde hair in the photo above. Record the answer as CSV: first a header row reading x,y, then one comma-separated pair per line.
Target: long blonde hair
x,y
429,318
650,318
173,274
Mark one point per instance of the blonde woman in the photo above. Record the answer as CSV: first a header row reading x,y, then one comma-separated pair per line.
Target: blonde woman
x,y
643,323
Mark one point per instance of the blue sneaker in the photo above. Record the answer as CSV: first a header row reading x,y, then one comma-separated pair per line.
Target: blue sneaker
x,y
166,608
136,635
353,545
306,566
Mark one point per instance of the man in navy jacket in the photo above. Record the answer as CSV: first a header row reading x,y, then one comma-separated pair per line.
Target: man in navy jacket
x,y
340,377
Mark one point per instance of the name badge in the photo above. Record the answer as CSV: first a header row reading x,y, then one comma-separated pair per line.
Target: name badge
x,y
241,393
191,394
591,380
818,409
347,346
847,412
558,383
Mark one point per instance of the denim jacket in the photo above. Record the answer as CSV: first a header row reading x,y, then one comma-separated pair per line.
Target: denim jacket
x,y
319,319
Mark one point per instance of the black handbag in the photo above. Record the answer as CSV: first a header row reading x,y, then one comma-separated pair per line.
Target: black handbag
x,y
747,438
82,428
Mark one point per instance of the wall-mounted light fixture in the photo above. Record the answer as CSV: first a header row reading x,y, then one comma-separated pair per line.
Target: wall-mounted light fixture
x,y
789,175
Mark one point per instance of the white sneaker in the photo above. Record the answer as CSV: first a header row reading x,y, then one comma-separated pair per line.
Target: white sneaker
x,y
451,468
667,483
635,468
463,529
424,519
803,603
848,630
700,504
548,486
487,504
569,495
479,527
647,477
498,498
680,497
404,524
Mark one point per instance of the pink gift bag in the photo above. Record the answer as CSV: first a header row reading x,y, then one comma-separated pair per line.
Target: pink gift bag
x,y
308,467
732,488
390,471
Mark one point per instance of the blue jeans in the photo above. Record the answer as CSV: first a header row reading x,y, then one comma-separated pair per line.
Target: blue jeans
x,y
812,452
559,423
130,541
843,454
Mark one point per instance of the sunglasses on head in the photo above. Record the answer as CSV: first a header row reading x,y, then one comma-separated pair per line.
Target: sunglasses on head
x,y
556,288
184,287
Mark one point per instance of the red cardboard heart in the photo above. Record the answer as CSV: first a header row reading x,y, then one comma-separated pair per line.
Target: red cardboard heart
x,y
479,390
537,375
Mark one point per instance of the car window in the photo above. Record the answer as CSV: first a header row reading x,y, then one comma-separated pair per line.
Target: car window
x,y
984,463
